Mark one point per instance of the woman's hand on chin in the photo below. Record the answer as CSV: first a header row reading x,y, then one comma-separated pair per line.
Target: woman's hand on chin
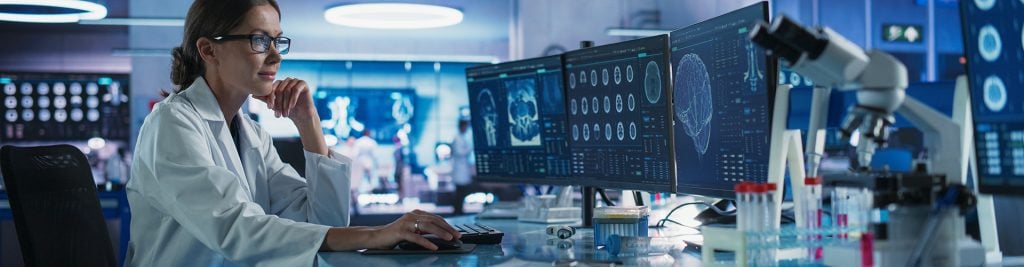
x,y
291,98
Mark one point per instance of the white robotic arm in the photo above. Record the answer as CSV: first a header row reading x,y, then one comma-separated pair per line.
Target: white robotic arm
x,y
832,61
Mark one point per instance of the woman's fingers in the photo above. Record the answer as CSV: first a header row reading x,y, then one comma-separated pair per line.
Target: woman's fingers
x,y
298,88
431,227
420,240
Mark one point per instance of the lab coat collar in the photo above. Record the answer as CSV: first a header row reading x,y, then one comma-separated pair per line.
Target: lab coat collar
x,y
201,96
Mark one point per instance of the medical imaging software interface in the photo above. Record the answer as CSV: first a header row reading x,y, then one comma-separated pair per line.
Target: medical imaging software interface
x,y
619,115
722,104
994,45
518,119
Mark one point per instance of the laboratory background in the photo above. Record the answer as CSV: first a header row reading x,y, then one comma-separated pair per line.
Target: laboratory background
x,y
590,132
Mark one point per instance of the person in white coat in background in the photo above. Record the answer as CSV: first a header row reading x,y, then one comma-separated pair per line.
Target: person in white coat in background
x,y
208,187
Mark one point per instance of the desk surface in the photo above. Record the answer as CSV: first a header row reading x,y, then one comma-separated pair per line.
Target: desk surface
x,y
524,244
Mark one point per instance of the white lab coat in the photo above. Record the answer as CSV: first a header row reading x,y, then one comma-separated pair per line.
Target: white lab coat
x,y
195,202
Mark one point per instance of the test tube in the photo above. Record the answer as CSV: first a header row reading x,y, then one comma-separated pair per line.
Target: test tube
x,y
812,202
771,228
742,205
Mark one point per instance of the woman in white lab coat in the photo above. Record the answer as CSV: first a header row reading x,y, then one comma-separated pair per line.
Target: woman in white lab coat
x,y
208,188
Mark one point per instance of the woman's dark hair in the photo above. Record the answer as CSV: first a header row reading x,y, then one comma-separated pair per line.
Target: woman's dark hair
x,y
207,18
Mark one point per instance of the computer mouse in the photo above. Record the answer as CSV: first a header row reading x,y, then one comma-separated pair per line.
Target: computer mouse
x,y
438,241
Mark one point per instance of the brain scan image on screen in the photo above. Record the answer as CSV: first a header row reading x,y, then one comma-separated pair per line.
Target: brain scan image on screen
x,y
44,115
632,130
618,103
583,105
28,115
652,82
631,102
597,132
629,73
620,131
59,88
92,89
524,121
10,89
60,115
693,106
43,88
995,93
593,77
10,102
489,114
572,106
604,76
607,105
26,102
75,89
583,77
985,4
92,102
586,132
572,81
60,102
76,101
11,116
608,131
989,43
93,115
26,88
618,75
595,105
575,132
44,102
76,115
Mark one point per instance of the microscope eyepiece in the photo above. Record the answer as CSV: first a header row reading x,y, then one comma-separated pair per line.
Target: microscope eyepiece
x,y
762,36
806,40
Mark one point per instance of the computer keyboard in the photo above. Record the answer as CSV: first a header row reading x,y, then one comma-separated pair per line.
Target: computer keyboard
x,y
479,234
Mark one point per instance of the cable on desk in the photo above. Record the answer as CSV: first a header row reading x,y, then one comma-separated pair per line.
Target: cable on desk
x,y
661,223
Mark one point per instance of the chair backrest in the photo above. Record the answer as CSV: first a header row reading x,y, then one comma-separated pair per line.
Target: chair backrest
x,y
56,208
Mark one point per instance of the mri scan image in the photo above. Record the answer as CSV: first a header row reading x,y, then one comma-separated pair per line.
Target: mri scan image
x,y
10,89
989,43
652,83
604,76
489,114
59,89
27,102
44,102
11,116
608,131
60,115
572,106
693,106
632,131
60,102
92,101
631,102
28,115
586,132
618,75
575,132
44,115
10,102
75,89
26,88
629,73
593,77
524,120
43,88
618,103
584,106
76,115
595,105
607,105
620,131
572,81
994,91
92,89
93,115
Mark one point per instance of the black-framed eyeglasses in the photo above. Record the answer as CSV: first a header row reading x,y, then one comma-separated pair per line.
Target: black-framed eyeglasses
x,y
260,42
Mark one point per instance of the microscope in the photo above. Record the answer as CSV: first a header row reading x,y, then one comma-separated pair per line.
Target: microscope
x,y
924,207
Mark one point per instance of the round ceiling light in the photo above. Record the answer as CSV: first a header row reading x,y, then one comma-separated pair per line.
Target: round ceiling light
x,y
28,11
393,16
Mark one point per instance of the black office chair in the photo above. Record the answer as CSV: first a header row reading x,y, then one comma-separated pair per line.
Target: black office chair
x,y
55,206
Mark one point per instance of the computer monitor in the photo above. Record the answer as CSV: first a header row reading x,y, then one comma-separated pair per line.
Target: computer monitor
x,y
41,107
724,85
518,119
381,112
994,45
620,115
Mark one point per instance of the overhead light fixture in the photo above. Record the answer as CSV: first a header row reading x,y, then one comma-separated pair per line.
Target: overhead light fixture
x,y
79,10
157,22
393,16
633,32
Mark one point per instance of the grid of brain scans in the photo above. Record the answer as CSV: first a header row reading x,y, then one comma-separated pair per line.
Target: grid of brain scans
x,y
994,46
722,103
518,120
619,114
40,107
